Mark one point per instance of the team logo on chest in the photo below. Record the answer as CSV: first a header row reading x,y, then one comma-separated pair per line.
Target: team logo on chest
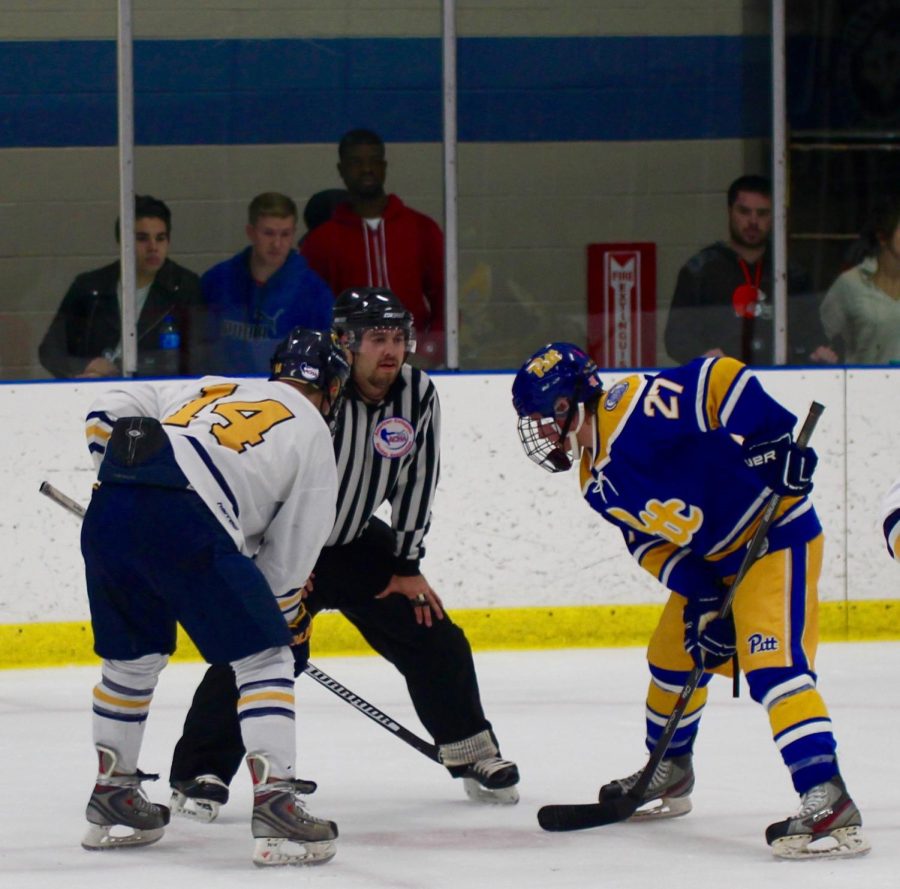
x,y
673,520
393,437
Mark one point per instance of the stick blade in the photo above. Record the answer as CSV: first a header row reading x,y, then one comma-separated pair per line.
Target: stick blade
x,y
584,816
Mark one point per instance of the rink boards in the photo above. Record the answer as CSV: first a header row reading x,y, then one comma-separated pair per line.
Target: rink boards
x,y
519,559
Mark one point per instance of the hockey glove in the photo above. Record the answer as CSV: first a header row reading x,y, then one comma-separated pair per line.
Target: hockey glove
x,y
301,627
784,467
708,638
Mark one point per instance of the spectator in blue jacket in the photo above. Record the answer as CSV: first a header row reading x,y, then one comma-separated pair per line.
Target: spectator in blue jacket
x,y
256,297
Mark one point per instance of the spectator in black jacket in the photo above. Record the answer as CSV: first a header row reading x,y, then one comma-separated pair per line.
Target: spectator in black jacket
x,y
85,337
723,299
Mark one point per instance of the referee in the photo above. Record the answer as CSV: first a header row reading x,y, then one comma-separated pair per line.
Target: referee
x,y
387,450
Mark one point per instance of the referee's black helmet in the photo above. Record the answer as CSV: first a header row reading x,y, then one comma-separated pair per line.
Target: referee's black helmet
x,y
359,309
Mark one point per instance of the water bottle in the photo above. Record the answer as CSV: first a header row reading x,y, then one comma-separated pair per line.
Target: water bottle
x,y
169,348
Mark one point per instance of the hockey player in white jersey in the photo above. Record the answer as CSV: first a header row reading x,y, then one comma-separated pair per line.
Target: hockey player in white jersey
x,y
213,500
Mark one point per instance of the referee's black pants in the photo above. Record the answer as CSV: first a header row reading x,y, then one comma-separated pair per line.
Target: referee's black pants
x,y
436,661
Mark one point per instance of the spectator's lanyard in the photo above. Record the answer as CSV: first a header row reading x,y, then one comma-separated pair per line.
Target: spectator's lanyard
x,y
746,295
746,270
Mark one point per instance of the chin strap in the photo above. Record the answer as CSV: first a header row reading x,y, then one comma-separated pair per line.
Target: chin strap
x,y
572,435
559,456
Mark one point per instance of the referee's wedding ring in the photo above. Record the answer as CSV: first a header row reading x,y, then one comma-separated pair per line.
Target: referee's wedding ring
x,y
421,600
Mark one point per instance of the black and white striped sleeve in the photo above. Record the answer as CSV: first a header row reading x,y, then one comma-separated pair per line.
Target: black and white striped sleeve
x,y
389,452
411,503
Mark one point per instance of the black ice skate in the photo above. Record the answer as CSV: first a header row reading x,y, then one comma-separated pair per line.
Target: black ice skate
x,y
119,802
669,793
828,825
487,777
199,798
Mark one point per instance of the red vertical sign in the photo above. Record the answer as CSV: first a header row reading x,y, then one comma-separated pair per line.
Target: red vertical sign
x,y
621,304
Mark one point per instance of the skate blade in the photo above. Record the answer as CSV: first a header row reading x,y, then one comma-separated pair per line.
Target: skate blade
x,y
844,842
202,810
498,796
100,838
282,852
667,807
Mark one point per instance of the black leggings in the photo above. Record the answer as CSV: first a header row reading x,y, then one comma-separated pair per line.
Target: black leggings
x,y
435,661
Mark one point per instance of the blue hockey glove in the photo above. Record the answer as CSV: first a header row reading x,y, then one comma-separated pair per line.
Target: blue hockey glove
x,y
785,468
301,657
708,638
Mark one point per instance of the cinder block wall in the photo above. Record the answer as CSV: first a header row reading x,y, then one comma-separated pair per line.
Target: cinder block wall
x,y
531,196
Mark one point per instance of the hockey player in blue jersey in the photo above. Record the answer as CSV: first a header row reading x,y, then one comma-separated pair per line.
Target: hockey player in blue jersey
x,y
683,462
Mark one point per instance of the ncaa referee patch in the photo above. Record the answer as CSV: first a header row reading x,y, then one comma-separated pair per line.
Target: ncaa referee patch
x,y
393,437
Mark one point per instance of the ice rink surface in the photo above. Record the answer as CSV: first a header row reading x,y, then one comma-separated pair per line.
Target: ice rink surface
x,y
571,719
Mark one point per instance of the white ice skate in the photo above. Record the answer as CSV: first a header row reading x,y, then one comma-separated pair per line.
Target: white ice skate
x,y
118,812
828,825
286,834
669,793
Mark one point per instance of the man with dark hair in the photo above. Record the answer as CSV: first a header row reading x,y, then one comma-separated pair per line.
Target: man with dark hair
x,y
750,183
374,240
257,296
723,299
387,450
85,337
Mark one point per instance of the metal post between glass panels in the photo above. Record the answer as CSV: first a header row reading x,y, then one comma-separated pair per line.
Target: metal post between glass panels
x,y
451,243
125,69
779,195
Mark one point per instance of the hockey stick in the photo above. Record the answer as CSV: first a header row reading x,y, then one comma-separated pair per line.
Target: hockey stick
x,y
612,811
65,502
376,715
335,687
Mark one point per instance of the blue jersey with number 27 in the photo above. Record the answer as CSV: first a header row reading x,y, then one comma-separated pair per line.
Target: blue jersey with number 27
x,y
667,468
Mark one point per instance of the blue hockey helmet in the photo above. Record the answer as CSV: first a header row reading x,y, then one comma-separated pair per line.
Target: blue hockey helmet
x,y
314,357
550,389
359,309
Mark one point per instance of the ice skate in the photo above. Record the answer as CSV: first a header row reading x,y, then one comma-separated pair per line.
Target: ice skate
x,y
199,798
487,777
286,834
828,825
492,780
669,793
119,802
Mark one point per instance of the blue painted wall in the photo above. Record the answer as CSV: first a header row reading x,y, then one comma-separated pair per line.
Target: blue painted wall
x,y
230,92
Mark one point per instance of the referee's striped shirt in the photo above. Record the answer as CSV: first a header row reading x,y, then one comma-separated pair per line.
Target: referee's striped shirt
x,y
389,451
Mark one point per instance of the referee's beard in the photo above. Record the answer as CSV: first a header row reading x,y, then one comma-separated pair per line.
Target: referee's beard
x,y
374,382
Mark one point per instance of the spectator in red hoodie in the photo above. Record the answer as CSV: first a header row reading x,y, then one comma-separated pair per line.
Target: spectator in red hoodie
x,y
374,240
